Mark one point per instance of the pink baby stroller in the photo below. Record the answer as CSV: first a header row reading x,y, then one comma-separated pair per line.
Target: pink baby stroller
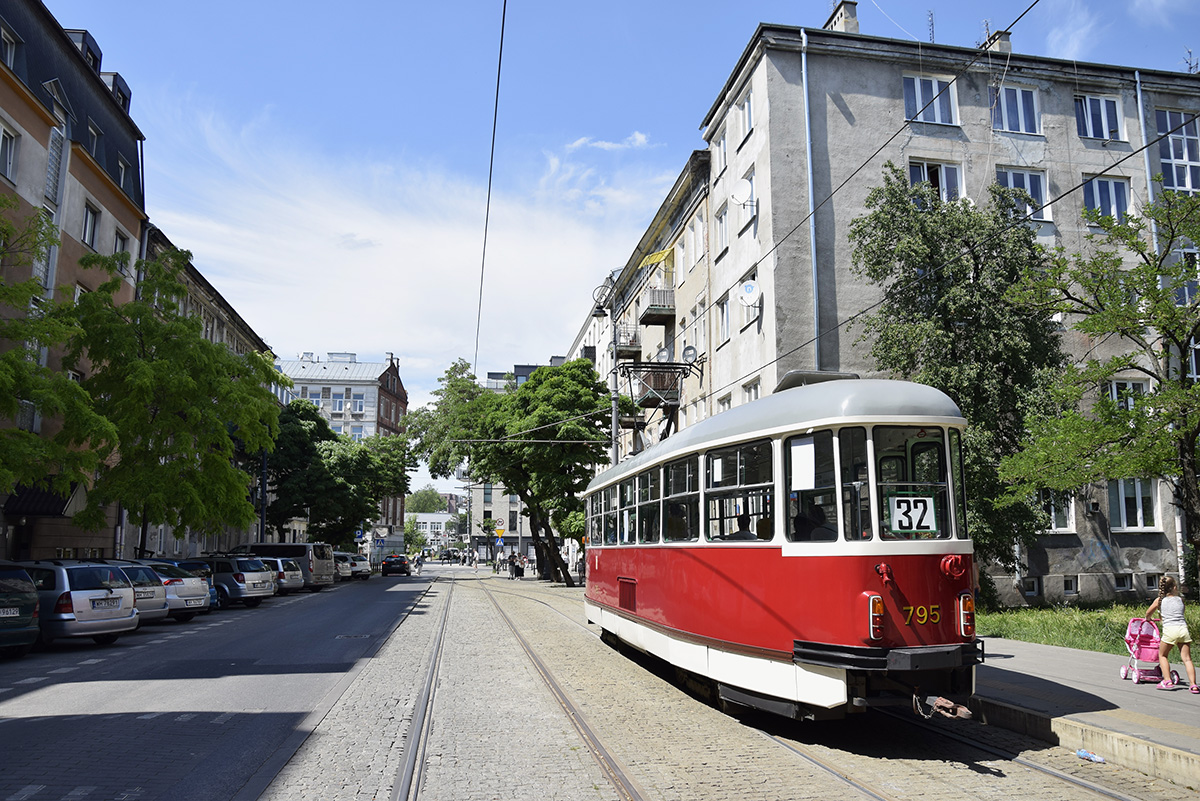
x,y
1141,638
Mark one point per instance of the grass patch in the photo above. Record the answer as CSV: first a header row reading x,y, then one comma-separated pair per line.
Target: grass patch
x,y
1100,629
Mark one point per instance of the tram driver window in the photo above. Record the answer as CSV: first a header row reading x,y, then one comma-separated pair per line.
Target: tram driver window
x,y
812,489
913,485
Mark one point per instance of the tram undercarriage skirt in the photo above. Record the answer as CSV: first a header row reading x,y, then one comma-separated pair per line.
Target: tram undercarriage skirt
x,y
932,657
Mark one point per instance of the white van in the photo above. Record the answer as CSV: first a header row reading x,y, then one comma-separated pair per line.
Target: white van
x,y
315,559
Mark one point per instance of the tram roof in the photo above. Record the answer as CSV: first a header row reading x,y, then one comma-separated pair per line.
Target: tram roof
x,y
880,399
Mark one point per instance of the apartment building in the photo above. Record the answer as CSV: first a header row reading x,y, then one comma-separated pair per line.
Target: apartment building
x,y
797,137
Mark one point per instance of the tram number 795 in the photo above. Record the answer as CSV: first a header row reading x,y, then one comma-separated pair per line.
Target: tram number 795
x,y
923,614
912,513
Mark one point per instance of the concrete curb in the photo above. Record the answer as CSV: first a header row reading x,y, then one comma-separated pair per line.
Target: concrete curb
x,y
1119,748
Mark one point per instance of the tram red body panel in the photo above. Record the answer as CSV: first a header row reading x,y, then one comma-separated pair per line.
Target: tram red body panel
x,y
755,597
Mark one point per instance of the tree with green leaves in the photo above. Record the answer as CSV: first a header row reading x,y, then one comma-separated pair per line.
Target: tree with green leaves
x,y
74,434
425,500
949,318
296,473
181,405
414,539
1132,290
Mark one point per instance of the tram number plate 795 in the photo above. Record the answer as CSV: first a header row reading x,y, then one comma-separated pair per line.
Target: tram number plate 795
x,y
922,614
912,513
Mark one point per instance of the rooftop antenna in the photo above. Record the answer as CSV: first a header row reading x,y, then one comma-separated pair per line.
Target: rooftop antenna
x,y
987,33
1191,63
931,39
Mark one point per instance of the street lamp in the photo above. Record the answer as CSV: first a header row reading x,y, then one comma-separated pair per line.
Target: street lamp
x,y
607,293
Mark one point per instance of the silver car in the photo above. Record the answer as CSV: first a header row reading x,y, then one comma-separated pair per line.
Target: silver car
x,y
149,594
288,575
187,593
239,577
82,599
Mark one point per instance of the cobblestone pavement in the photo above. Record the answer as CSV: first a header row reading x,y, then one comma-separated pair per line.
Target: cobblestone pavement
x,y
498,733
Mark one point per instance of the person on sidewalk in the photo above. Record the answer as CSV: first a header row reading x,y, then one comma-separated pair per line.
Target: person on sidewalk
x,y
1169,604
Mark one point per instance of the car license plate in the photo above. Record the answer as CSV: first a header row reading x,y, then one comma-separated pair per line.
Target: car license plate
x,y
106,603
193,602
257,584
10,611
144,594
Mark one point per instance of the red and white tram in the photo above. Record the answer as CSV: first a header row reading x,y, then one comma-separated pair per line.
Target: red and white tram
x,y
805,553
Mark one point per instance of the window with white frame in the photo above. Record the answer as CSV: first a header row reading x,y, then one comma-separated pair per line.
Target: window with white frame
x,y
357,402
942,177
723,319
1014,108
1059,506
1179,150
122,171
698,336
314,397
337,429
1108,196
1096,117
752,391
339,404
1131,503
750,204
8,48
8,154
93,139
1032,182
720,155
752,312
121,245
1152,580
1123,582
722,224
1126,394
928,98
356,433
745,113
724,404
1031,586
91,219
695,240
1070,585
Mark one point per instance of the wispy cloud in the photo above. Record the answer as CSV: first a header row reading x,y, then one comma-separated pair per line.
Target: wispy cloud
x,y
1074,37
635,141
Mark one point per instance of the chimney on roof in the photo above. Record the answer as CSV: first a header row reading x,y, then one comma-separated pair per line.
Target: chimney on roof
x,y
307,356
1000,42
844,18
390,360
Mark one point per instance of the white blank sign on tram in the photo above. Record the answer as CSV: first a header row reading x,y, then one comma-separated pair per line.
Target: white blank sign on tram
x,y
804,464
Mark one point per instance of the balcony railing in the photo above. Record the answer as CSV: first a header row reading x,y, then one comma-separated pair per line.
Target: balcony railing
x,y
659,308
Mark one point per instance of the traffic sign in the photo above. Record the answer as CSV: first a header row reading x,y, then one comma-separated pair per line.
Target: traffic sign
x,y
500,542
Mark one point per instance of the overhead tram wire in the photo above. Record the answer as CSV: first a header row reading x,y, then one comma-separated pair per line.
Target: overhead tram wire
x,y
488,207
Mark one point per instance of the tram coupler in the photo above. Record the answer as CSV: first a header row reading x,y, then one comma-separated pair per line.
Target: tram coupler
x,y
940,705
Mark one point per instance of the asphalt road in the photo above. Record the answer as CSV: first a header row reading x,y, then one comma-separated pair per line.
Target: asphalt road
x,y
196,710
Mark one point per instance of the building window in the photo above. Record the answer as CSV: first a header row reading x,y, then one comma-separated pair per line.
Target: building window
x,y
695,241
1131,503
1179,151
724,404
91,218
942,177
929,97
314,396
8,154
337,429
1107,196
750,312
1014,109
720,155
1061,510
357,403
356,433
1152,580
1070,585
1031,586
723,319
8,48
751,391
1097,118
1123,582
1126,393
122,169
93,139
121,245
487,493
750,203
745,112
722,220
339,404
1032,183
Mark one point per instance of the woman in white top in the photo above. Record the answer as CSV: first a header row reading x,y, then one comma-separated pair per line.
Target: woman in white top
x,y
1174,632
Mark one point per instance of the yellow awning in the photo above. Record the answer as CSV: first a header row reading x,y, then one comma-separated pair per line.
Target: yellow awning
x,y
655,258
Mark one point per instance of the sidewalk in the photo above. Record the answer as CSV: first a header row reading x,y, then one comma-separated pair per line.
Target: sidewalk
x,y
1077,699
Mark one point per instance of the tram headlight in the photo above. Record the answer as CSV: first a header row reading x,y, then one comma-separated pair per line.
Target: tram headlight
x,y
966,615
875,623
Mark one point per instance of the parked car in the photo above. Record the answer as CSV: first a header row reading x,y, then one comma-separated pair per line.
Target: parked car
x,y
288,575
18,610
341,563
79,598
197,567
149,594
360,566
240,578
187,593
315,559
395,564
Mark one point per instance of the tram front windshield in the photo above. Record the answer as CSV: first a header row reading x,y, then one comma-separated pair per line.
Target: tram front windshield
x,y
914,497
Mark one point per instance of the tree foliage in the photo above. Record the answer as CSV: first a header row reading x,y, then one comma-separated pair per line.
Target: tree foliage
x,y
425,500
1132,290
950,319
29,323
181,405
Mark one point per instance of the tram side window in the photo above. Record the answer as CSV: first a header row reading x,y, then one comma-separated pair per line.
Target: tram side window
x,y
649,506
627,516
682,502
914,489
812,488
959,483
594,519
610,516
856,488
739,502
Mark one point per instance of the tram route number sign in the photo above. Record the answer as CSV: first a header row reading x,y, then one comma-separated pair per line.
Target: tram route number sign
x,y
912,514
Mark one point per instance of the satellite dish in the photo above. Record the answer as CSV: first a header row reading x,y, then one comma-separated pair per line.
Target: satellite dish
x,y
750,293
662,355
689,354
741,191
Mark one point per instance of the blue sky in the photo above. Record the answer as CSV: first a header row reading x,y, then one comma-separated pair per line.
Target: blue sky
x,y
327,163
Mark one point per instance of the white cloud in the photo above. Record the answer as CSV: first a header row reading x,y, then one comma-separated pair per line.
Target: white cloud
x,y
1075,35
635,141
322,255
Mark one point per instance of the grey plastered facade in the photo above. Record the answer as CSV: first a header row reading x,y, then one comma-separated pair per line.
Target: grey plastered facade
x,y
848,90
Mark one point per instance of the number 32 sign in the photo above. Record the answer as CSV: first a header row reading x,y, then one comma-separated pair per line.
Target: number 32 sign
x,y
912,514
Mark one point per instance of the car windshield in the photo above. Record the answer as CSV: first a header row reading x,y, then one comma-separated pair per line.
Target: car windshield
x,y
251,565
141,576
97,578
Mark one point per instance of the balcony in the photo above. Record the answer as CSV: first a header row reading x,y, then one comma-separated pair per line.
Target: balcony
x,y
660,307
629,342
656,385
631,422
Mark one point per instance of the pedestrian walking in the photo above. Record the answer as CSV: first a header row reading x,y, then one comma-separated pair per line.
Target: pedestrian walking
x,y
420,561
1169,604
